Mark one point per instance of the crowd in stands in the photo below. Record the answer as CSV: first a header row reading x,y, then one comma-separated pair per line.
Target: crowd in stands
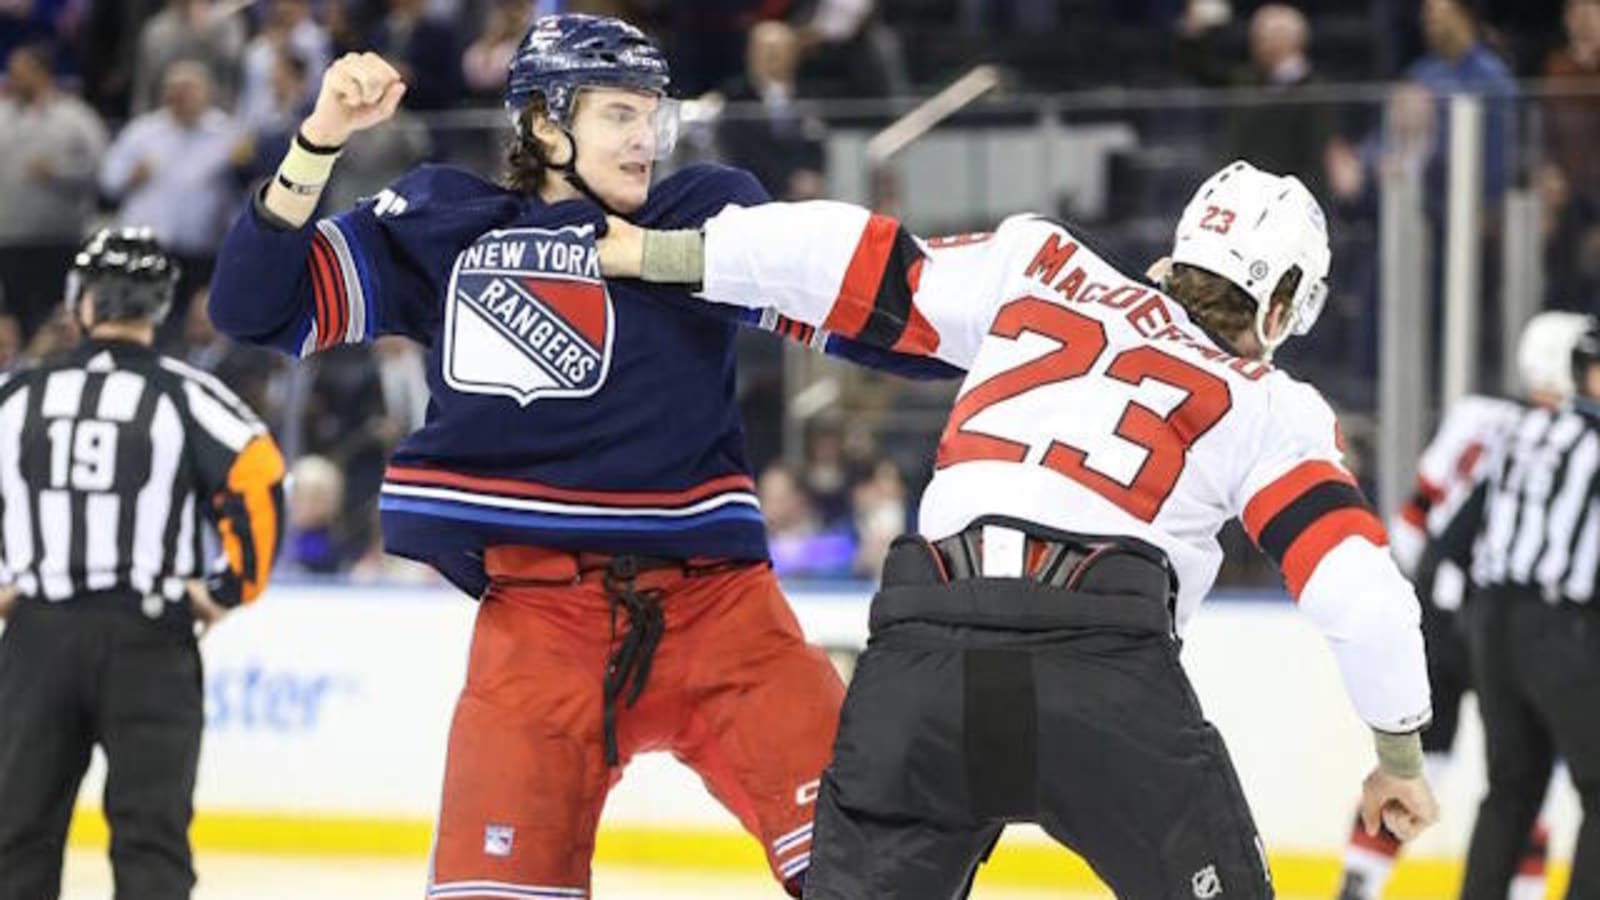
x,y
166,112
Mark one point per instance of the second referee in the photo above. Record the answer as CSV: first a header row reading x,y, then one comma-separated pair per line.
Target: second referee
x,y
113,461
1533,631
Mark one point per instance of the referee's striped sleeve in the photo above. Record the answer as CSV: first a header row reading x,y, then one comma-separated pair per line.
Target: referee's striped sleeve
x,y
243,470
1303,514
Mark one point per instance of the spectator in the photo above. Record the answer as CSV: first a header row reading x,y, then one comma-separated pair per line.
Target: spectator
x,y
485,63
24,22
195,30
346,30
878,505
424,50
1459,62
256,375
57,334
851,52
1286,133
780,146
172,170
1405,145
708,37
287,29
1572,115
108,42
50,146
273,124
799,544
827,474
316,494
1569,179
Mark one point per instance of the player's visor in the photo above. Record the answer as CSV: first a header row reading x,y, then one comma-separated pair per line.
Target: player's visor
x,y
656,127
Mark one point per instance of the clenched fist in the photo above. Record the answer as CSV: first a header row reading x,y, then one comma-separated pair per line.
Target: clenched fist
x,y
1405,806
359,91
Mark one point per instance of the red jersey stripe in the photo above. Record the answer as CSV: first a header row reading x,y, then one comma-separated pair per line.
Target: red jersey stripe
x,y
1322,536
1272,499
859,291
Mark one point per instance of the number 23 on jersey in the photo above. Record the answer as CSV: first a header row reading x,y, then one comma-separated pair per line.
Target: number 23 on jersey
x,y
1081,343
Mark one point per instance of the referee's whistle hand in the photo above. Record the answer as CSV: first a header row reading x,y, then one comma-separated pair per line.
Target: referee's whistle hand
x,y
207,611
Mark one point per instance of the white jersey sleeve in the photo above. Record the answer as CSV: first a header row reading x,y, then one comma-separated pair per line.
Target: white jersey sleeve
x,y
1304,509
859,274
1473,430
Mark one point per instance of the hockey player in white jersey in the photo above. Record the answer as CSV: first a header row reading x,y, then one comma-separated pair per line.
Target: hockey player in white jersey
x,y
1472,433
1023,663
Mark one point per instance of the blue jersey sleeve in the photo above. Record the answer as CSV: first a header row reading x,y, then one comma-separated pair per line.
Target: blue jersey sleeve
x,y
373,270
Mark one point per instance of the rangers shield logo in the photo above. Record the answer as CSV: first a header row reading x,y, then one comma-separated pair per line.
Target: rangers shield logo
x,y
528,316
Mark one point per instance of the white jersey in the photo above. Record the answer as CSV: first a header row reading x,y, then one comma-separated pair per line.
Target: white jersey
x,y
1094,405
1455,461
1474,432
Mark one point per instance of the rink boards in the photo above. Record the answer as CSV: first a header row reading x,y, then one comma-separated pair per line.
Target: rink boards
x,y
328,706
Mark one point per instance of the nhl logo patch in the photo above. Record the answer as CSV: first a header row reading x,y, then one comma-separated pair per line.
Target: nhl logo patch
x,y
528,316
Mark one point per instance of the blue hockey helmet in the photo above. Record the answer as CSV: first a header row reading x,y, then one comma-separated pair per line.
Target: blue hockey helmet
x,y
562,53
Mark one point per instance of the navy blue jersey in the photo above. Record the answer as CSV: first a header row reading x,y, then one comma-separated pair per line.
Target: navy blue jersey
x,y
567,411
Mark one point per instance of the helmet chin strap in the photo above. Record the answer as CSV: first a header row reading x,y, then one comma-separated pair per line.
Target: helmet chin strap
x,y
569,171
1268,345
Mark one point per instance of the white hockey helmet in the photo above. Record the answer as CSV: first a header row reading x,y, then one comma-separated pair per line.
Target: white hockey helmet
x,y
1253,228
1544,352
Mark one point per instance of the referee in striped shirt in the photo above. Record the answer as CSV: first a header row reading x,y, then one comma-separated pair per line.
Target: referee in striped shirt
x,y
114,461
1533,631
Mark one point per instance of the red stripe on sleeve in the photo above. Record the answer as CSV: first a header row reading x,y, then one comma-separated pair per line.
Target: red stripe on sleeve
x,y
859,291
920,335
333,313
1271,500
1322,536
321,288
341,307
1468,463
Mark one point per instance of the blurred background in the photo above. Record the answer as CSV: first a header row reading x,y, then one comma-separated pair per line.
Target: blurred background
x,y
1452,142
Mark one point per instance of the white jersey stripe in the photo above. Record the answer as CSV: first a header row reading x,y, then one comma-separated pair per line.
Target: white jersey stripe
x,y
55,533
119,397
1580,581
155,498
228,429
1570,501
457,495
18,524
63,391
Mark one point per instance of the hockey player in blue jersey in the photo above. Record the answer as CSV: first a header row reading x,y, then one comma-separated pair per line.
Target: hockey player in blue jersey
x,y
582,468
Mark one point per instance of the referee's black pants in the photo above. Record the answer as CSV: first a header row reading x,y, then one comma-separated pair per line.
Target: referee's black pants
x,y
74,677
989,701
1536,670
